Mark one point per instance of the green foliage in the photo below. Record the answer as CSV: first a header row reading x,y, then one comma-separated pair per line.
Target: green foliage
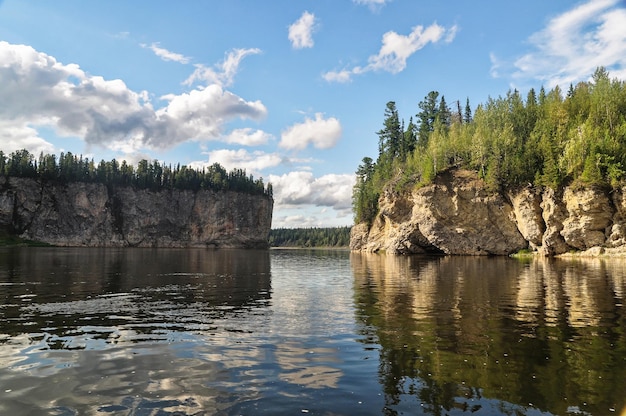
x,y
591,173
310,237
147,175
427,116
8,239
467,114
546,139
391,138
364,193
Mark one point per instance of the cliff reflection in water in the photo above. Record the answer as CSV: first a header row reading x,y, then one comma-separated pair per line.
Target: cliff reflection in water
x,y
130,295
85,331
468,333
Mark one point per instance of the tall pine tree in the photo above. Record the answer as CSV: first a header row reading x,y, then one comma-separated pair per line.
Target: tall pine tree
x,y
427,117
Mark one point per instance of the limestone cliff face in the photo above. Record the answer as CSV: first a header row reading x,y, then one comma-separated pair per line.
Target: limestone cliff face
x,y
457,215
89,214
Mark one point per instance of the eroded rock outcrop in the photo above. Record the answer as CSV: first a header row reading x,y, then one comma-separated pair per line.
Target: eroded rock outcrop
x,y
91,214
456,214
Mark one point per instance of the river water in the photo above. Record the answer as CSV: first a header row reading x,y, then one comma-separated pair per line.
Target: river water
x,y
230,332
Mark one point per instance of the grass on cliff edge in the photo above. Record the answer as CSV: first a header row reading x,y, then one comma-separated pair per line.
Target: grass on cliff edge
x,y
525,252
7,239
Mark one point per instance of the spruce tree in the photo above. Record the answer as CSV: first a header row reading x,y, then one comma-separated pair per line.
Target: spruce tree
x,y
427,117
467,118
443,113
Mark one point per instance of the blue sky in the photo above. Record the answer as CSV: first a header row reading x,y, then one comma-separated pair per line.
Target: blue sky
x,y
291,91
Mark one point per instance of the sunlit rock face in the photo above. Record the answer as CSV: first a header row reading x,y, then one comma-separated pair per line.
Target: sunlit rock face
x,y
617,230
454,215
553,214
589,214
526,205
457,215
90,214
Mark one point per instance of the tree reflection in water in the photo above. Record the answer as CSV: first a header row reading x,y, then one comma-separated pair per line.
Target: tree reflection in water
x,y
519,337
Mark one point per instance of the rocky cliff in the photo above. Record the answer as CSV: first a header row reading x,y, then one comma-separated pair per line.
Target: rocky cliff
x,y
90,214
457,215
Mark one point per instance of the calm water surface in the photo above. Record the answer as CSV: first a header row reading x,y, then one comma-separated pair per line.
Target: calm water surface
x,y
201,332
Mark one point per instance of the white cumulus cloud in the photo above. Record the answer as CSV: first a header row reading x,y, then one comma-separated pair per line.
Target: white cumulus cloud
x,y
396,49
374,5
38,91
223,73
371,2
322,133
301,31
165,54
303,188
575,43
253,162
338,76
247,137
17,136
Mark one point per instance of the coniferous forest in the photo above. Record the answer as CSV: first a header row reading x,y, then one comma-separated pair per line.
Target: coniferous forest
x,y
146,175
547,138
310,237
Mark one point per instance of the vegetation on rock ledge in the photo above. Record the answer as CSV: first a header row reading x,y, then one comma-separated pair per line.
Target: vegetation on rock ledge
x,y
549,139
7,239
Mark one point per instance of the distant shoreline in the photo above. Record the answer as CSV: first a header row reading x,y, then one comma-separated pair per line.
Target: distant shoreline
x,y
340,248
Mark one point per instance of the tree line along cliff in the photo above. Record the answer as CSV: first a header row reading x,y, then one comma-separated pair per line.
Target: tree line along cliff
x,y
549,152
73,202
147,175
